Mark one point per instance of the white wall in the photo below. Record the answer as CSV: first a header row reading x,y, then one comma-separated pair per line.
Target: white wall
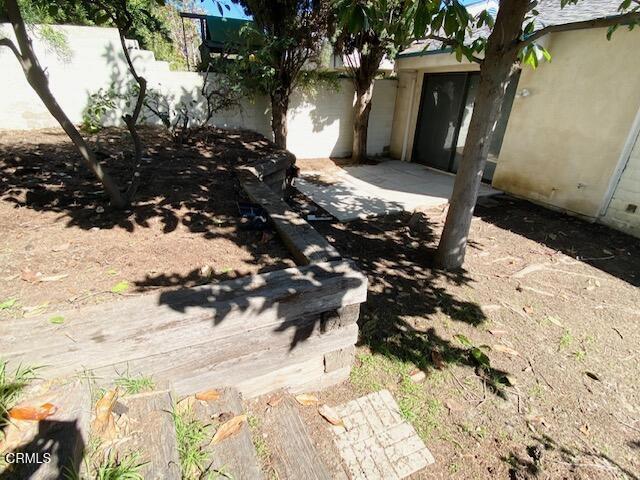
x,y
620,213
320,124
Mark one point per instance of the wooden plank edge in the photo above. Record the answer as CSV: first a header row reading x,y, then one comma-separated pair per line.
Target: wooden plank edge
x,y
284,219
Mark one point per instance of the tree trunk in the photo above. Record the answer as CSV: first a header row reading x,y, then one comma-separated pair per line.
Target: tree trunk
x,y
279,109
131,120
499,64
40,83
362,109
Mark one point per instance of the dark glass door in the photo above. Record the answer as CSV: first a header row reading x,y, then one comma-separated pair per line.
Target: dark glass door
x,y
438,120
443,122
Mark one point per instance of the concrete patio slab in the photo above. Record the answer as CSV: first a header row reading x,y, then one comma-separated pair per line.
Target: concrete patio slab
x,y
367,191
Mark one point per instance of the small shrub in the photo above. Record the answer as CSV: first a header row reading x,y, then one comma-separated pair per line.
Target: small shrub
x,y
100,102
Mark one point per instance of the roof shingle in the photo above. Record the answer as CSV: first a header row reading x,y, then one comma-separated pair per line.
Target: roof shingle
x,y
550,13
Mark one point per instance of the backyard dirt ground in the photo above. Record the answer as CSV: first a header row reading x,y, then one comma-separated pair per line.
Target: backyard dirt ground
x,y
62,246
552,302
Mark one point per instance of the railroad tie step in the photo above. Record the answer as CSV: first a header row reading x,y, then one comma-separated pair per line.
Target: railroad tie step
x,y
147,431
51,448
234,456
293,453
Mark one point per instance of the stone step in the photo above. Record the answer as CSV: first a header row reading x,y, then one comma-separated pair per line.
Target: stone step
x,y
55,446
146,429
293,453
235,456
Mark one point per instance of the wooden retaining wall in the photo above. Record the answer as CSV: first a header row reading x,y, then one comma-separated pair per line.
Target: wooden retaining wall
x,y
304,243
270,170
292,328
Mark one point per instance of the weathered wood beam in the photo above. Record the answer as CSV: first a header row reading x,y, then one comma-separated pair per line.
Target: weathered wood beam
x,y
236,455
174,333
292,452
304,243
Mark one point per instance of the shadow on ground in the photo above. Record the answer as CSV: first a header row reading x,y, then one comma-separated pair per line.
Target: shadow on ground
x,y
55,452
572,236
192,185
547,451
404,289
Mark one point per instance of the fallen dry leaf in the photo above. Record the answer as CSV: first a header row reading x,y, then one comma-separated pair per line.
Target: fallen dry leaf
x,y
504,349
274,401
33,413
29,276
555,321
306,399
208,395
228,428
104,425
436,358
330,415
53,278
535,419
497,333
61,248
222,417
453,406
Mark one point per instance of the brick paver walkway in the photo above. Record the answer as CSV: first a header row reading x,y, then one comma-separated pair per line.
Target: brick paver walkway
x,y
376,443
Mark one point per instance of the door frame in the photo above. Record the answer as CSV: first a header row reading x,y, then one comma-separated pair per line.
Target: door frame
x,y
456,135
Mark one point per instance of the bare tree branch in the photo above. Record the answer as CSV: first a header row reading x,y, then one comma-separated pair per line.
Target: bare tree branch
x,y
623,19
123,23
35,75
6,42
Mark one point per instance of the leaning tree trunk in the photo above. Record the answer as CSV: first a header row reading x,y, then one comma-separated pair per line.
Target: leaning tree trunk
x,y
279,109
40,83
499,64
364,74
362,110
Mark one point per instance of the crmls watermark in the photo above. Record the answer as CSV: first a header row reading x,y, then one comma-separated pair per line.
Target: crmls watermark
x,y
24,457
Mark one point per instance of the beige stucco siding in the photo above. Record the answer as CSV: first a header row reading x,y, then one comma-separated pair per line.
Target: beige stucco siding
x,y
564,140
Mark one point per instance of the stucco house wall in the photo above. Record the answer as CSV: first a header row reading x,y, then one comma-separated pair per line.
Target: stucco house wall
x,y
568,127
565,137
623,212
320,123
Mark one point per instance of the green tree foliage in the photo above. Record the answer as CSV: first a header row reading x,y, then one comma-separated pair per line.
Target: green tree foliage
x,y
287,35
155,25
369,31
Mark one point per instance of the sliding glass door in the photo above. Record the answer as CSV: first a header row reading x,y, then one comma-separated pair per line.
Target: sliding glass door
x,y
443,121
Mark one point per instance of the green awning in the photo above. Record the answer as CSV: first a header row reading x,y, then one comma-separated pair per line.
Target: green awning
x,y
224,31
